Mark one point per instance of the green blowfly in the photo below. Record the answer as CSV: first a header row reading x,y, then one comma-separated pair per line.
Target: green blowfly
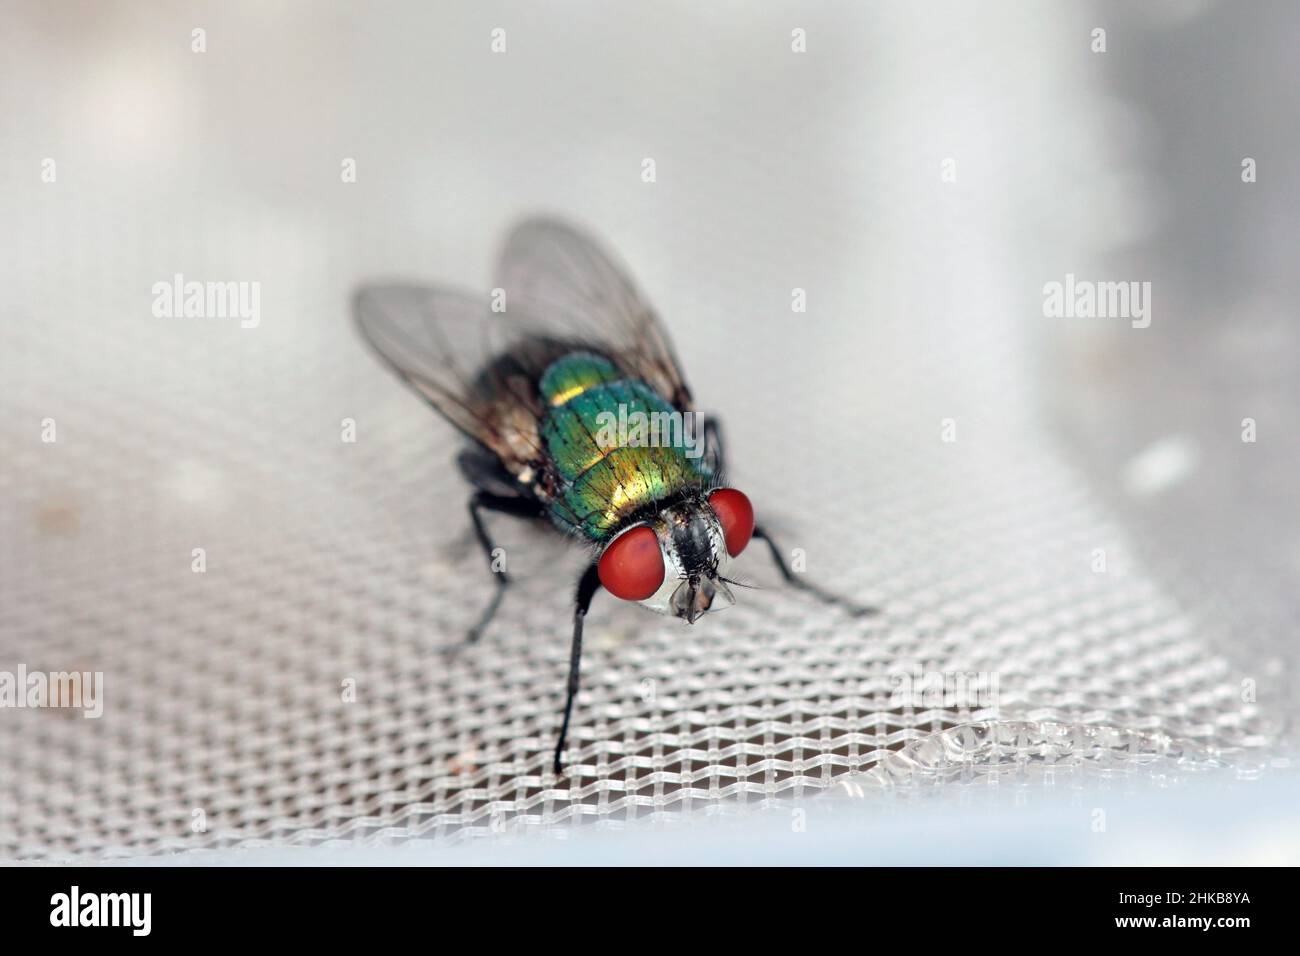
x,y
560,381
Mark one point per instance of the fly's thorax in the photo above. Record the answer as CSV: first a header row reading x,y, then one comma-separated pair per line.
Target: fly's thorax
x,y
603,479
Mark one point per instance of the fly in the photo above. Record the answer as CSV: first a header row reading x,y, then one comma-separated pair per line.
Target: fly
x,y
569,347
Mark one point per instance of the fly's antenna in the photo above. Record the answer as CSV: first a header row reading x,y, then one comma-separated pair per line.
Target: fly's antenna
x,y
741,584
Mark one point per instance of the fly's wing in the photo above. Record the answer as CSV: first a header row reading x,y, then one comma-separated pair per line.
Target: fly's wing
x,y
562,276
481,368
440,342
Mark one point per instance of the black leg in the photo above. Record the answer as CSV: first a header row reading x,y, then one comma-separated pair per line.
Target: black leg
x,y
588,585
483,501
799,582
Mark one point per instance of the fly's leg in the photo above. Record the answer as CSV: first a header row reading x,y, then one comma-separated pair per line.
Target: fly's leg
x,y
799,582
479,502
588,585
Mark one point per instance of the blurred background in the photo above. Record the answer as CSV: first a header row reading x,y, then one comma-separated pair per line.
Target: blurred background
x,y
1067,505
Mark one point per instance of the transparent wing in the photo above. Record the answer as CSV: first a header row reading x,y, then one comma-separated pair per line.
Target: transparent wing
x,y
481,368
440,342
560,274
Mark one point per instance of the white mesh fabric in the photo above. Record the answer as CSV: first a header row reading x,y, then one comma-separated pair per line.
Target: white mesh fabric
x,y
330,562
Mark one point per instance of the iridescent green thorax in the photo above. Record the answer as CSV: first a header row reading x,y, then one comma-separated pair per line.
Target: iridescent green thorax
x,y
602,481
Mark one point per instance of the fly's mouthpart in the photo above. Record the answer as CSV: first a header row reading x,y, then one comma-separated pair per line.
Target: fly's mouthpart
x,y
723,598
696,596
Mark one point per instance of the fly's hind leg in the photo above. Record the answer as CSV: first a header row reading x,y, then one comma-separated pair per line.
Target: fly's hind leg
x,y
798,581
479,502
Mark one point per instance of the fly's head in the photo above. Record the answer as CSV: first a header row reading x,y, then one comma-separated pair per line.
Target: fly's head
x,y
675,562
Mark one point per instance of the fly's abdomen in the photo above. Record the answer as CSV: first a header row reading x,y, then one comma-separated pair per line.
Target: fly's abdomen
x,y
615,443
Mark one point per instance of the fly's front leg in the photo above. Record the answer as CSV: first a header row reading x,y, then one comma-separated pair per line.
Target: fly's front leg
x,y
479,502
588,585
799,582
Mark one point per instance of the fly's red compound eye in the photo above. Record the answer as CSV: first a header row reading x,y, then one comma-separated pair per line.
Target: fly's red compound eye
x,y
736,515
632,567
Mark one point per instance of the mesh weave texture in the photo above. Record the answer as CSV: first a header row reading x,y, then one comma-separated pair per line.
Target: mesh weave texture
x,y
334,564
